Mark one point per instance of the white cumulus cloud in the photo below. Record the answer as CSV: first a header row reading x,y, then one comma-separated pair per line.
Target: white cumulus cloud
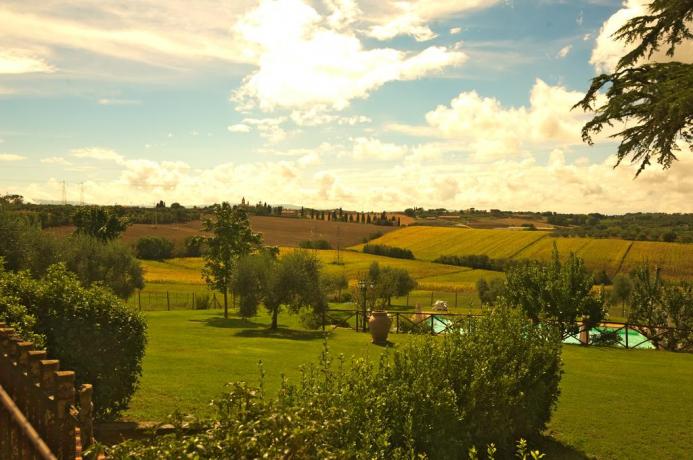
x,y
305,65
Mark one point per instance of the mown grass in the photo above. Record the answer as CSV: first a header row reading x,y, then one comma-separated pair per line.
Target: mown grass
x,y
614,403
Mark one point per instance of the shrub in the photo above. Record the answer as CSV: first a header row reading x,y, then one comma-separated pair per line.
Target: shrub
x,y
474,261
388,251
310,319
110,264
202,301
317,244
89,329
495,383
26,247
193,247
154,248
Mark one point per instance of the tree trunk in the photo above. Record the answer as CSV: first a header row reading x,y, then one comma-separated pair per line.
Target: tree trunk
x,y
226,304
275,314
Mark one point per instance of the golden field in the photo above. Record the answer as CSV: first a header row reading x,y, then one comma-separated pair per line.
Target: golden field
x,y
611,255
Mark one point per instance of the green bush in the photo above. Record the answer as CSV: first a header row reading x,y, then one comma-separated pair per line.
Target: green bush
x,y
110,264
435,397
317,244
27,247
193,246
88,329
388,251
202,301
154,248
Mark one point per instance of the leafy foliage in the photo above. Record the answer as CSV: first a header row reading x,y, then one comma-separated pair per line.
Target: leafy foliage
x,y
557,292
490,292
110,264
26,247
154,248
388,282
294,283
481,261
495,383
231,239
655,98
89,329
656,304
317,244
99,223
388,251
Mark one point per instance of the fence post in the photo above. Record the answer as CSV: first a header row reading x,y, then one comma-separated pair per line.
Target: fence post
x,y
407,300
168,302
431,298
397,319
626,327
193,300
433,331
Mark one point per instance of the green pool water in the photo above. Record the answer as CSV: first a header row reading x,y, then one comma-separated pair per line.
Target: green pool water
x,y
635,339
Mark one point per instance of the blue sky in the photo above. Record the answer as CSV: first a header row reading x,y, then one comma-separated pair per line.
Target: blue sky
x,y
330,103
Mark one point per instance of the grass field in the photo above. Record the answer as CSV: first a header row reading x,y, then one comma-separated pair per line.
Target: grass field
x,y
173,282
276,231
427,243
612,255
351,264
614,403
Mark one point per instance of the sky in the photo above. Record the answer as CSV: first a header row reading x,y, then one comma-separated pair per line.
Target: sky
x,y
364,105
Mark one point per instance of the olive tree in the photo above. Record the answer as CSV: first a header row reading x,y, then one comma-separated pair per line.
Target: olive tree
x,y
557,292
662,311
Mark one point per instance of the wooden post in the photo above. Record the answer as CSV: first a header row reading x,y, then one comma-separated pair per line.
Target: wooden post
x,y
64,398
168,302
431,298
86,408
407,300
626,327
397,319
193,300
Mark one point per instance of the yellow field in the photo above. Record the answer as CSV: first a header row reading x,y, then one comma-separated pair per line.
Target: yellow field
x,y
427,243
187,270
599,254
675,259
612,255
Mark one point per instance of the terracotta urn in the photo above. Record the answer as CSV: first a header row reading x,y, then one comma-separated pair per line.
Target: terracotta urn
x,y
379,325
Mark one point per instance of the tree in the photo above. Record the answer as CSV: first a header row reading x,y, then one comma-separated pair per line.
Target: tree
x,y
334,282
154,248
394,282
294,283
490,292
231,239
662,312
99,223
250,281
622,287
557,292
656,99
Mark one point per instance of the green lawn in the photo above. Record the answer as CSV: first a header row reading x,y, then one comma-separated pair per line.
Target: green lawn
x,y
614,403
